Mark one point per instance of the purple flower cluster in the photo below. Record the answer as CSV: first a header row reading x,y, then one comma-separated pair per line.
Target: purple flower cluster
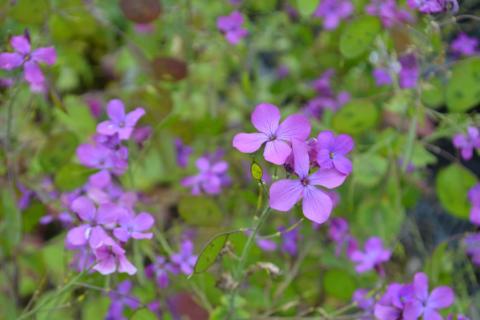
x,y
106,214
372,257
231,27
212,175
339,233
464,45
388,12
333,12
325,98
408,72
468,142
286,143
120,299
182,261
413,301
433,6
29,60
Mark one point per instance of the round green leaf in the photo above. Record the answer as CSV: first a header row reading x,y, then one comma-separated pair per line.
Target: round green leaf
x,y
339,284
355,117
463,89
452,186
358,36
200,211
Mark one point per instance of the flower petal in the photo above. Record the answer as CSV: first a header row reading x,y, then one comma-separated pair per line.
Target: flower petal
x,y
325,140
133,117
431,314
413,310
295,126
21,44
342,164
143,221
441,297
33,74
249,142
343,144
85,208
420,284
328,178
116,111
265,118
126,266
317,205
277,151
386,312
10,60
46,55
301,159
78,235
284,194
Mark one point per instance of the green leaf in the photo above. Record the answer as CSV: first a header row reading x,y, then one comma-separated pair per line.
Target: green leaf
x,y
256,171
72,176
12,224
356,117
143,314
369,169
211,251
307,7
452,186
439,265
433,93
358,36
58,150
200,211
339,284
95,306
78,118
463,89
30,12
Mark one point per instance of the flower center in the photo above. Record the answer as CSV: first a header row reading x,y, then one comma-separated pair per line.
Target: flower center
x,y
305,181
272,137
122,124
331,155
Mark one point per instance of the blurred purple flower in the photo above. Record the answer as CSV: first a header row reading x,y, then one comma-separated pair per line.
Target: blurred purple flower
x,y
183,152
266,244
474,199
211,178
134,226
392,304
332,151
409,72
121,298
276,136
144,28
339,233
110,257
472,243
382,77
464,45
141,134
373,256
459,317
467,143
363,301
119,123
231,27
159,270
316,205
24,56
95,105
185,259
427,304
333,12
290,240
388,12
25,198
433,6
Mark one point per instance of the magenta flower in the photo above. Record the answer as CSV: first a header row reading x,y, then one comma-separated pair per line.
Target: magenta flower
x,y
290,240
134,226
110,257
184,260
409,72
24,56
433,6
382,77
472,242
121,298
276,136
467,143
211,178
392,304
332,151
425,303
159,270
474,198
372,257
333,12
183,152
317,204
388,12
119,123
464,45
231,27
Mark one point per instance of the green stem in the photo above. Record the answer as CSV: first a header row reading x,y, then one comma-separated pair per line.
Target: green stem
x,y
239,271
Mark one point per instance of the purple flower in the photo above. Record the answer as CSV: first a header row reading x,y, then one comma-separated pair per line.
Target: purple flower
x,y
24,56
26,196
464,45
382,77
159,270
210,179
134,226
474,198
425,303
99,156
120,297
333,12
392,304
332,151
276,136
409,72
363,301
266,244
388,12
83,259
433,6
119,123
141,134
183,153
290,240
184,260
466,143
472,242
459,317
231,27
110,257
339,233
372,257
316,205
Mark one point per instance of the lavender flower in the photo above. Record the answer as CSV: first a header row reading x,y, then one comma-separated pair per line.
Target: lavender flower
x,y
372,257
363,301
290,240
467,143
121,298
333,12
474,198
382,77
388,12
160,270
409,72
211,178
433,6
332,151
110,257
276,136
134,226
29,60
392,304
183,153
339,233
472,242
464,45
120,123
184,260
231,27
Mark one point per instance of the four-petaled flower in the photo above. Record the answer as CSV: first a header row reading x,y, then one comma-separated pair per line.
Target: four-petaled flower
x,y
467,143
464,45
231,26
120,123
372,257
276,136
110,257
333,12
184,260
134,226
332,151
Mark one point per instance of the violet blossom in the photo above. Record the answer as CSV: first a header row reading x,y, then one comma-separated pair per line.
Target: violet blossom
x,y
276,136
382,77
409,71
433,6
339,233
183,153
392,304
121,298
466,143
290,239
373,256
110,257
159,270
474,199
134,226
388,12
212,176
464,45
333,12
23,56
317,204
119,122
231,27
332,151
365,302
184,259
